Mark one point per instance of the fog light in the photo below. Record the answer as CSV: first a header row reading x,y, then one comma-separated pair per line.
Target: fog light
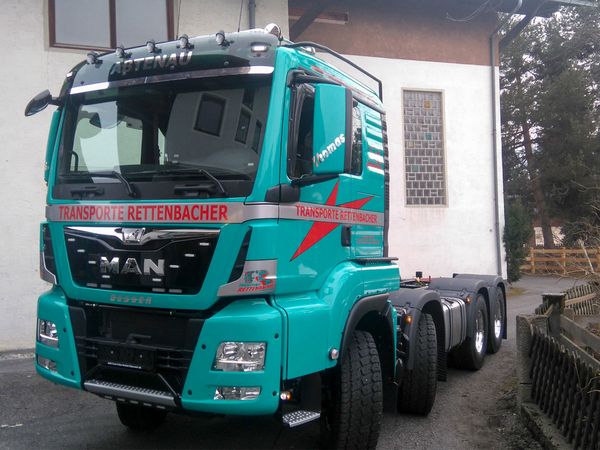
x,y
237,393
46,363
240,356
47,333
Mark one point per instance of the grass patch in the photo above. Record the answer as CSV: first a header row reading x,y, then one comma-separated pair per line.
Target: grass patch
x,y
516,291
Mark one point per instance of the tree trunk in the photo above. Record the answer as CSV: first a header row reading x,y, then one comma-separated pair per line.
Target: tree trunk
x,y
536,188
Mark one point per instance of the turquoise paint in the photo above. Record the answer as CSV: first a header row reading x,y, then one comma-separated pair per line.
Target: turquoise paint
x,y
52,305
329,135
314,291
251,320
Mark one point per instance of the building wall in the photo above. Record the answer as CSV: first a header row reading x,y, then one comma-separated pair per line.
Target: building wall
x,y
425,50
459,237
30,67
426,30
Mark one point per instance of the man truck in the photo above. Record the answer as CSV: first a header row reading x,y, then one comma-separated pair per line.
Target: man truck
x,y
216,238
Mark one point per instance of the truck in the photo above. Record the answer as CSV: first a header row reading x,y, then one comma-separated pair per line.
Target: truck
x,y
216,240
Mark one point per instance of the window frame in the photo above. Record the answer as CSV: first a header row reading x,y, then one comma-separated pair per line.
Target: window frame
x,y
442,94
112,20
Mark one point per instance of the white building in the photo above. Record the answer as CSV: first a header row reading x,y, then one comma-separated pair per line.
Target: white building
x,y
438,92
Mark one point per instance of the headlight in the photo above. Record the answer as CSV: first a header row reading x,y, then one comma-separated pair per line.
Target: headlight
x,y
47,333
240,356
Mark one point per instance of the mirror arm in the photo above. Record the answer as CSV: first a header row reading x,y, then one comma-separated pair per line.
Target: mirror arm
x,y
55,101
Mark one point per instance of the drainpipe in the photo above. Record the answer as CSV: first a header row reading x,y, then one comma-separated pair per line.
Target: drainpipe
x,y
251,14
495,135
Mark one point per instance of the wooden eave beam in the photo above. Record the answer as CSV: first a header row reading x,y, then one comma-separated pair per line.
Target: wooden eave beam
x,y
309,17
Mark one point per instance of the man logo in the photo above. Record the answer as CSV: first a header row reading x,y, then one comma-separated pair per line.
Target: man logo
x,y
133,235
131,266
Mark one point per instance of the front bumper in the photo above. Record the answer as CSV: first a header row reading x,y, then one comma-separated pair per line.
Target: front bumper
x,y
251,320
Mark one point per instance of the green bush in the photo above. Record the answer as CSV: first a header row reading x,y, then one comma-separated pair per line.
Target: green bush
x,y
517,231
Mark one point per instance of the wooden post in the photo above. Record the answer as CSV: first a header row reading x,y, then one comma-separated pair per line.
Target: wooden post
x,y
557,302
563,260
532,258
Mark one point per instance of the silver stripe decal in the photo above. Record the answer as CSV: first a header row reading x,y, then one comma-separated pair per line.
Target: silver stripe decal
x,y
160,212
207,213
335,214
184,75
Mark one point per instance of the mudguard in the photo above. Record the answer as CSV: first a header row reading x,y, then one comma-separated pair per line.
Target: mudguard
x,y
494,282
416,302
462,288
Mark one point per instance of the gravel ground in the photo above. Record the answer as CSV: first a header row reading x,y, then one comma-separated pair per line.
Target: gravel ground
x,y
472,410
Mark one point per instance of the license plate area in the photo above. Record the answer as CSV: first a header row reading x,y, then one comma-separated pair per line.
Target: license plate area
x,y
127,356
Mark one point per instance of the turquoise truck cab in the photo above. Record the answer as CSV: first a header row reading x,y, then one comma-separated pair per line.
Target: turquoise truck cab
x,y
216,240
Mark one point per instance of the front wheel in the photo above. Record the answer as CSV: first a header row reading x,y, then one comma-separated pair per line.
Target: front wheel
x,y
497,323
416,394
352,399
140,417
471,353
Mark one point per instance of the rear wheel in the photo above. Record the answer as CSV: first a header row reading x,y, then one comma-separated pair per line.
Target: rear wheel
x,y
352,400
140,417
497,323
471,353
416,394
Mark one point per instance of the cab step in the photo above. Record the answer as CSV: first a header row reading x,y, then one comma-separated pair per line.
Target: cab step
x,y
297,418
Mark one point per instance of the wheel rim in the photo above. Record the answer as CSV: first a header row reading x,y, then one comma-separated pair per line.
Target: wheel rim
x,y
498,316
479,331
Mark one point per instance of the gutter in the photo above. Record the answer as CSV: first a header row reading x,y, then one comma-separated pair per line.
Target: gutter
x,y
251,14
495,136
506,40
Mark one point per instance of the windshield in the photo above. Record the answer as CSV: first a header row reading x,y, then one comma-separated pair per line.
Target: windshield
x,y
160,138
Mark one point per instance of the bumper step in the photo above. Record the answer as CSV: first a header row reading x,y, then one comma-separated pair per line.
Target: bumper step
x,y
116,391
296,418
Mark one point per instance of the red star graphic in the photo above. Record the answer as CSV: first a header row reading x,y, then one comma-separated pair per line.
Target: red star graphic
x,y
319,230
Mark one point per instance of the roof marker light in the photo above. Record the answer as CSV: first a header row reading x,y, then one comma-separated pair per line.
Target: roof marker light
x,y
220,38
184,42
92,58
151,46
121,53
259,48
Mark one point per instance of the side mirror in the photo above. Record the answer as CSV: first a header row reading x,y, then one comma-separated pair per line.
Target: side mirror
x,y
39,102
332,127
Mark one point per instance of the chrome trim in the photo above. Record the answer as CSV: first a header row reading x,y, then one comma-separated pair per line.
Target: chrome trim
x,y
45,274
118,390
154,235
183,75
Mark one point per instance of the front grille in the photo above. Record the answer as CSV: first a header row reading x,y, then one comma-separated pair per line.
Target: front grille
x,y
173,261
163,340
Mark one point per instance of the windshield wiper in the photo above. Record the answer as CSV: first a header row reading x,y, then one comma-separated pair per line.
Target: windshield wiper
x,y
114,174
199,170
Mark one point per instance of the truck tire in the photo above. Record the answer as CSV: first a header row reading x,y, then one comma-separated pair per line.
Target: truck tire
x,y
139,417
471,353
416,394
497,324
352,398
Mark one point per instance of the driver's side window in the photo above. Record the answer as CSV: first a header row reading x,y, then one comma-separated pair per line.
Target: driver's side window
x,y
300,140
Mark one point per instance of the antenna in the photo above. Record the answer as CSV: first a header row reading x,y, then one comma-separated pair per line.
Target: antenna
x,y
240,19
